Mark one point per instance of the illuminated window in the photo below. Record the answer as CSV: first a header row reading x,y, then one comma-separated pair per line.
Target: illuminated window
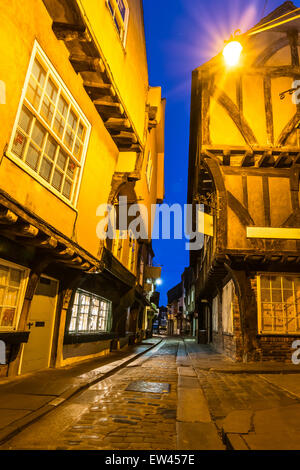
x,y
90,313
278,304
12,284
50,133
120,14
149,170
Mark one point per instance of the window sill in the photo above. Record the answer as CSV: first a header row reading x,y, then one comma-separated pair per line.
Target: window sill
x,y
14,337
278,334
78,338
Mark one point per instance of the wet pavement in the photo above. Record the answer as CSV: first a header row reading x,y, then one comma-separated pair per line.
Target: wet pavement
x,y
173,397
109,415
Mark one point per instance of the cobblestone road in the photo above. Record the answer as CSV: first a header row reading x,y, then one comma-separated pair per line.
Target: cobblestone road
x,y
123,413
111,417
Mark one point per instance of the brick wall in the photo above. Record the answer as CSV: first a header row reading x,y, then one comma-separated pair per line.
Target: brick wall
x,y
277,348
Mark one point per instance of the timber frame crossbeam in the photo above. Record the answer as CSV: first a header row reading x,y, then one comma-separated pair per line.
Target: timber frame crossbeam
x,y
264,258
257,157
87,60
24,229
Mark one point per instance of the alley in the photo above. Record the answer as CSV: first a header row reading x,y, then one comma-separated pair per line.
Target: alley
x,y
178,395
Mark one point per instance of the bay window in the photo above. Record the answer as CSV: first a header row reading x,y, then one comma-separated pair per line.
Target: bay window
x,y
51,133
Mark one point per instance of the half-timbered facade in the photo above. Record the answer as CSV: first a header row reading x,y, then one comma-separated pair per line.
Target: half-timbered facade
x,y
244,145
80,127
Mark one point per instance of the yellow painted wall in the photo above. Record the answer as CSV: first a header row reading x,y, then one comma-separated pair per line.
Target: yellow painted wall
x,y
128,65
129,69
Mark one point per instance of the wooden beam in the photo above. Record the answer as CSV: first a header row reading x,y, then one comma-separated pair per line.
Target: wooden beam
x,y
21,230
239,209
288,129
82,63
125,137
7,216
233,111
115,124
65,251
226,157
266,160
283,161
269,51
76,260
28,230
85,266
152,111
70,32
268,110
293,40
248,159
152,124
130,148
99,90
109,109
46,243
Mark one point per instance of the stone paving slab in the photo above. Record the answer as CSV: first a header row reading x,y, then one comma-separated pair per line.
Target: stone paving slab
x,y
192,406
188,382
275,429
187,372
238,422
198,436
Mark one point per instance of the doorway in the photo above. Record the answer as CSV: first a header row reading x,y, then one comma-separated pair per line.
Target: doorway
x,y
37,352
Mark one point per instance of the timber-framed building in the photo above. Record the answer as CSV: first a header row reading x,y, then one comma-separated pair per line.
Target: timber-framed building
x,y
244,167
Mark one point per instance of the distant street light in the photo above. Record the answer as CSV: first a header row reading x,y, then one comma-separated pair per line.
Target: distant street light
x,y
159,282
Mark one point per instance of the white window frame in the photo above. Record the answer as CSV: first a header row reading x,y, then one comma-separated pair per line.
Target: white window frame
x,y
149,170
107,320
42,57
116,16
259,304
23,285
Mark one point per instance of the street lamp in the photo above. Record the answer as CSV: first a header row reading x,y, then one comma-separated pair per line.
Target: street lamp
x,y
232,52
233,49
158,282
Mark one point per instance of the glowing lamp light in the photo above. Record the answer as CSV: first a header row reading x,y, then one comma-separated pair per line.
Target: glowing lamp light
x,y
159,282
232,53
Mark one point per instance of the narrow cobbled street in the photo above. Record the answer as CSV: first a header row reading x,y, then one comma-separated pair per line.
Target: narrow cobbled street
x,y
178,395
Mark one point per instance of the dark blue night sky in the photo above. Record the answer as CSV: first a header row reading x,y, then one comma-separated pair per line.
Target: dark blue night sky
x,y
180,36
